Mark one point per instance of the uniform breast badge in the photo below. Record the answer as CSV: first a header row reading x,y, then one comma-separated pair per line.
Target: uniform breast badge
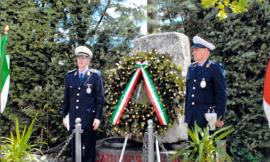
x,y
203,83
88,89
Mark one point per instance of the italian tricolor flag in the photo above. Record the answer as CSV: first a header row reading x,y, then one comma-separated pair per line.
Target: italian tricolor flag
x,y
5,72
266,93
151,92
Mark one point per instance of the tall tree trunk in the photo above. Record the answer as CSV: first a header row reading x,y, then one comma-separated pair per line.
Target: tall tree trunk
x,y
152,16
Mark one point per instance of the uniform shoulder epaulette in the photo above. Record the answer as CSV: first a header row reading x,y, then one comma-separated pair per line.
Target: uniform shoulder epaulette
x,y
72,71
94,71
218,66
210,62
194,64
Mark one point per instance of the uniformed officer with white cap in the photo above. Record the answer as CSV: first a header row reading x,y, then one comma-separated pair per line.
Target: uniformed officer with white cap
x,y
83,98
205,87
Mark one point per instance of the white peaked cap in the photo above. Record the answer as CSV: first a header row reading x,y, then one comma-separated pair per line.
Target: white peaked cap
x,y
83,50
198,42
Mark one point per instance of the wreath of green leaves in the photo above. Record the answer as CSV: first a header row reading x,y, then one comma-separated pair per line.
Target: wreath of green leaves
x,y
168,81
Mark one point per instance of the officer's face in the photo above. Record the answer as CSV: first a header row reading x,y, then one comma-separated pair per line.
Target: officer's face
x,y
82,62
200,54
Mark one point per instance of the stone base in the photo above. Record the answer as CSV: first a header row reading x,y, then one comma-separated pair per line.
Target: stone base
x,y
105,154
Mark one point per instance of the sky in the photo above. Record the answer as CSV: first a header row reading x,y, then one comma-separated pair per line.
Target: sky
x,y
112,12
132,4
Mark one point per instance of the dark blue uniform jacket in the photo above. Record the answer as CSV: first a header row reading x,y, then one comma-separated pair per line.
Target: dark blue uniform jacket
x,y
202,98
78,103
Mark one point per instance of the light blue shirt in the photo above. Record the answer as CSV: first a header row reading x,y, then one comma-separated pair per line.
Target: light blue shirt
x,y
202,63
83,72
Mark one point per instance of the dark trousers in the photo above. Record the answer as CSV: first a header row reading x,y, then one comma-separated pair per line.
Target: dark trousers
x,y
88,146
201,122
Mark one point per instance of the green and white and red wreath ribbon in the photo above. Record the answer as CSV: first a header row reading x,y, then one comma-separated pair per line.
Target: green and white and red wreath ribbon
x,y
151,91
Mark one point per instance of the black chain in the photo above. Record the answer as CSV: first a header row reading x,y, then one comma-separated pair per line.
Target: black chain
x,y
65,146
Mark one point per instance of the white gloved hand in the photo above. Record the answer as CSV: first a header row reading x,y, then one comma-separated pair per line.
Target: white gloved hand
x,y
211,118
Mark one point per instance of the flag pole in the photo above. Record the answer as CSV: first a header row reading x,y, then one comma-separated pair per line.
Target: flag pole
x,y
1,134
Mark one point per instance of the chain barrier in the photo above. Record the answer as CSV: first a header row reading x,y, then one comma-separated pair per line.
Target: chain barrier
x,y
144,147
65,146
163,149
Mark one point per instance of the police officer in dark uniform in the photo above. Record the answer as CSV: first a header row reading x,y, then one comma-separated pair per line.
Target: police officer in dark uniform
x,y
83,98
205,87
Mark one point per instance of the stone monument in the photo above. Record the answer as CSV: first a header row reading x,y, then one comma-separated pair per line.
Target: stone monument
x,y
178,46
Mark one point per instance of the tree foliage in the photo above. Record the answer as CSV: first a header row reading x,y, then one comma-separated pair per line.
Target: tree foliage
x,y
228,6
242,47
43,35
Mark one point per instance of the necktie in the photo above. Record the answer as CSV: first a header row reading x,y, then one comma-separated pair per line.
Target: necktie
x,y
81,76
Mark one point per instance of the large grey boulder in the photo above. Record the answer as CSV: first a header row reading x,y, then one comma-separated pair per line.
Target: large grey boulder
x,y
178,46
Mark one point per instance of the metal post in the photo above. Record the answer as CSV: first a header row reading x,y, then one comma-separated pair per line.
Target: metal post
x,y
150,141
78,145
124,148
157,150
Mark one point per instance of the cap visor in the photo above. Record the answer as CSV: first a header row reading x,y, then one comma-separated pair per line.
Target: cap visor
x,y
82,54
198,46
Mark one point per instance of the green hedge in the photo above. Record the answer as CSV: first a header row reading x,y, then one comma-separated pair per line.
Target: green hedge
x,y
243,47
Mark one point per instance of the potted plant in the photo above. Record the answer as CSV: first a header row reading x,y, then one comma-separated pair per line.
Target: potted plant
x,y
204,147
